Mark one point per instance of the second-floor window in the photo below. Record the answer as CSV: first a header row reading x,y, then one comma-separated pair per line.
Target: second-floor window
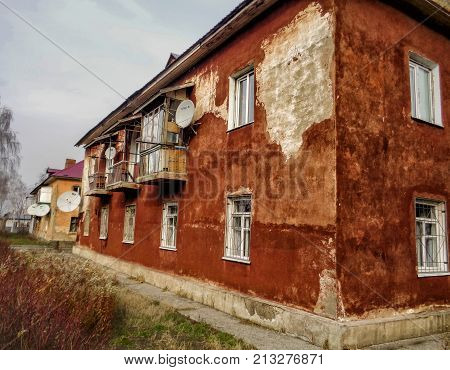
x,y
242,99
425,90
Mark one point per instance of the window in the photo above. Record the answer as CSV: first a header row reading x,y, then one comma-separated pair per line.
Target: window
x,y
73,224
242,99
431,237
104,214
87,222
76,189
424,90
128,229
152,127
238,228
169,226
44,195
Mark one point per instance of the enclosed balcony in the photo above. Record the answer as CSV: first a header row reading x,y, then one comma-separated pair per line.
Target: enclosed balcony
x,y
163,163
121,176
97,185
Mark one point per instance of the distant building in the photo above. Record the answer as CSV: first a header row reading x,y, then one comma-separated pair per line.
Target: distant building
x,y
57,225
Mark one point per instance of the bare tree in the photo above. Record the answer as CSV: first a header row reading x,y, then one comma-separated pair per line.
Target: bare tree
x,y
9,155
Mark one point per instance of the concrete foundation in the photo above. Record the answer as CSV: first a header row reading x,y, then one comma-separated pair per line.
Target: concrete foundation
x,y
318,330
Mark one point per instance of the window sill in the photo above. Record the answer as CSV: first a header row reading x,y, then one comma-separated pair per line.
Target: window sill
x,y
238,260
127,242
168,249
432,274
237,128
418,120
104,238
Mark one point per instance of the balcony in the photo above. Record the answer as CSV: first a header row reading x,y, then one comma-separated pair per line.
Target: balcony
x,y
163,163
121,177
97,185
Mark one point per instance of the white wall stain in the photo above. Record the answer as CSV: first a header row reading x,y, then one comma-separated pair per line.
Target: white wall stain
x,y
205,93
294,79
327,302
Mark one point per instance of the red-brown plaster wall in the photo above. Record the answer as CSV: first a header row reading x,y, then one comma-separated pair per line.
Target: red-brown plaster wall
x,y
384,158
292,237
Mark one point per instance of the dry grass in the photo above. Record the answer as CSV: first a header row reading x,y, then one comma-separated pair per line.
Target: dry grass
x,y
144,324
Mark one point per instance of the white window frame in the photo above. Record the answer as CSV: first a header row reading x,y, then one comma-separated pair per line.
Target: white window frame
x,y
104,220
234,97
243,253
127,233
87,223
417,62
165,226
441,238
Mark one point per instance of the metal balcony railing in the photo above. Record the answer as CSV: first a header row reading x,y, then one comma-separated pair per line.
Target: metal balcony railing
x,y
120,172
97,181
163,163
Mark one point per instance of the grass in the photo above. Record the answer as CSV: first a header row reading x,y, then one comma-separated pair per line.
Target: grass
x,y
21,239
143,324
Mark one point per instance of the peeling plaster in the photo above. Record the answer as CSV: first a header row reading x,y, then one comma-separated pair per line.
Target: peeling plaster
x,y
327,302
294,79
205,93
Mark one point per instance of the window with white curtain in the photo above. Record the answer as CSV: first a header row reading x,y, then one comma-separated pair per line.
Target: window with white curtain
x,y
425,90
129,223
104,215
169,226
238,226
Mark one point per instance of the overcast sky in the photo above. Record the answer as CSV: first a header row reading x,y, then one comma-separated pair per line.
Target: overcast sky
x,y
125,42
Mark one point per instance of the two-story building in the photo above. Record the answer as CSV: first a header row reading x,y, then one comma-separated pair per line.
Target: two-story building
x,y
310,191
57,225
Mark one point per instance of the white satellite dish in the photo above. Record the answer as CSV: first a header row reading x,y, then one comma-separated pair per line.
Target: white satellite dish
x,y
32,209
68,201
110,153
41,210
185,113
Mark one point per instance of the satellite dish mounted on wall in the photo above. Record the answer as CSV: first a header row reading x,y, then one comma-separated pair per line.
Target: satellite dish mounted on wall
x,y
68,201
41,210
31,210
185,113
110,153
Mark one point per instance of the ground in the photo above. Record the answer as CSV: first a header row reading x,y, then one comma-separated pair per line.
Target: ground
x,y
22,239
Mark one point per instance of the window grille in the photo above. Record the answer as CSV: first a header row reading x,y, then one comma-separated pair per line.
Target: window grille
x,y
238,228
431,236
87,222
129,222
104,214
169,226
73,224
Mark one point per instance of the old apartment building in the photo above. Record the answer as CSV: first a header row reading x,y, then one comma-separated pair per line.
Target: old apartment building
x,y
57,225
310,192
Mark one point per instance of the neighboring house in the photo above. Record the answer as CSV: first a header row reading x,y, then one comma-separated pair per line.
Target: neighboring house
x,y
312,189
58,225
19,224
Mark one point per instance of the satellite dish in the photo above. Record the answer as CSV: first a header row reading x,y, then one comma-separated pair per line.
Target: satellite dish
x,y
185,113
41,210
68,201
31,210
110,153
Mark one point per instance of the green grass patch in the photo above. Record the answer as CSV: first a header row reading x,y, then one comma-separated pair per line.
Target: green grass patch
x,y
141,324
22,239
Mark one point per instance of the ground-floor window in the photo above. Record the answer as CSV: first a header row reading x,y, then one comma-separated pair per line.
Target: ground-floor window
x,y
431,236
169,226
238,228
73,224
104,214
129,222
87,222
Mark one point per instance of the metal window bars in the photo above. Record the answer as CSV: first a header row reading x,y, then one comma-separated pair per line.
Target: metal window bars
x,y
431,236
129,222
238,228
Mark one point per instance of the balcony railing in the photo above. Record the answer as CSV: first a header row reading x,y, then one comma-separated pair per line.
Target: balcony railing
x,y
97,184
121,175
164,163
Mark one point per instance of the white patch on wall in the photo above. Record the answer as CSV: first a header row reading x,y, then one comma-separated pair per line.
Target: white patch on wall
x,y
294,79
205,93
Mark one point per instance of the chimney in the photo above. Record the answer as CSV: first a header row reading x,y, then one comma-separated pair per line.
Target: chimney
x,y
69,163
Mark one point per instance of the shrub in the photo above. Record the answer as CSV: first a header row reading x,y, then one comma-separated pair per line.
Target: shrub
x,y
52,301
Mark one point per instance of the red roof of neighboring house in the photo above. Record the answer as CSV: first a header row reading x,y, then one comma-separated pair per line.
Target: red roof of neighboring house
x,y
75,171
